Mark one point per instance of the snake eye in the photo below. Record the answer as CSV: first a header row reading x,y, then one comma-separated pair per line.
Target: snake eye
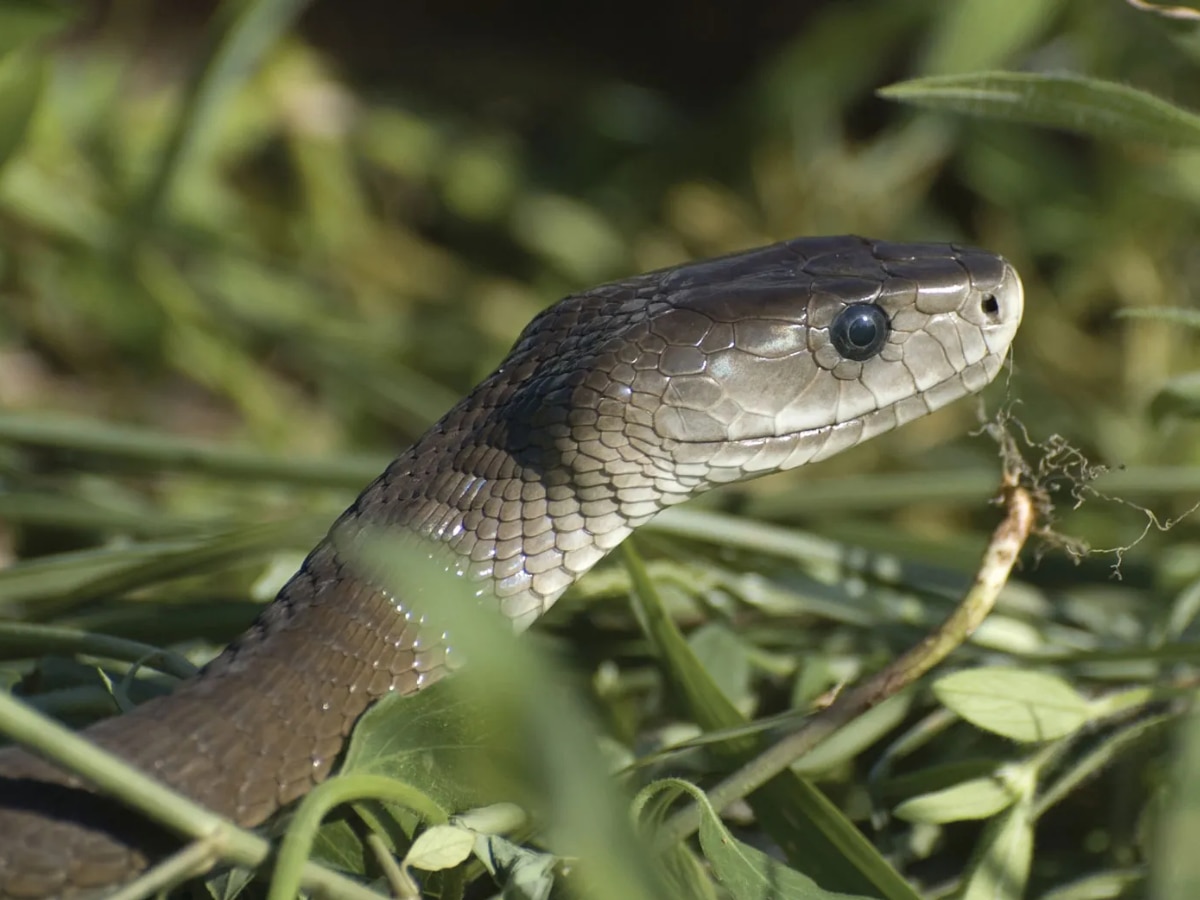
x,y
859,331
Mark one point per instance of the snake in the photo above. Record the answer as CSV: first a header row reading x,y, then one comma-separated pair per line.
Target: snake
x,y
614,404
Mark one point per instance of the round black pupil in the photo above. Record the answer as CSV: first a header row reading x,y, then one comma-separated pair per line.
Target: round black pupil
x,y
859,331
862,329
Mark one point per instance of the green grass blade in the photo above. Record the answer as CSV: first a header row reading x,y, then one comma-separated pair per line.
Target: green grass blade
x,y
1100,109
242,32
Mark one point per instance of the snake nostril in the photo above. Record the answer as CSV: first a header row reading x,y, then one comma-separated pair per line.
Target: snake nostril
x,y
990,306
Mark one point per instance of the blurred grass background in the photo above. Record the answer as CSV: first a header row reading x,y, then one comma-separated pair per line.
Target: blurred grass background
x,y
226,301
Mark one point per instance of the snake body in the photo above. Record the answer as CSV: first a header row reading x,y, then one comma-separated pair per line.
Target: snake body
x,y
613,404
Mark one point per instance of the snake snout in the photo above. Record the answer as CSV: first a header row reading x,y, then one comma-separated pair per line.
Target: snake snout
x,y
999,310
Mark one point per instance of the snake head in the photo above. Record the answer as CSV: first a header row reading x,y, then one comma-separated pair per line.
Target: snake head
x,y
631,397
781,356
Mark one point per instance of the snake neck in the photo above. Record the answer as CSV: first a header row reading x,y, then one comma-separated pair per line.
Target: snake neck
x,y
520,515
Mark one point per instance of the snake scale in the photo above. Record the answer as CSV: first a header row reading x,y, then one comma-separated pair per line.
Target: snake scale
x,y
614,404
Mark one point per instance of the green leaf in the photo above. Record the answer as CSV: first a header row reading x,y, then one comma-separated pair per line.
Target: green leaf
x,y
683,870
497,818
747,873
440,847
229,885
726,658
1100,109
523,874
849,742
1000,865
814,834
1015,703
339,846
979,798
433,739
536,733
688,874
302,831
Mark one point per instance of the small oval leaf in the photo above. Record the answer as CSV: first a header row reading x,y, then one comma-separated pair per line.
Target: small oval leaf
x,y
979,798
1015,703
440,847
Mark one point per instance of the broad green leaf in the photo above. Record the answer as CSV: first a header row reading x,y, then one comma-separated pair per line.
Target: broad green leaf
x,y
1018,704
1100,109
437,738
979,798
751,874
338,845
